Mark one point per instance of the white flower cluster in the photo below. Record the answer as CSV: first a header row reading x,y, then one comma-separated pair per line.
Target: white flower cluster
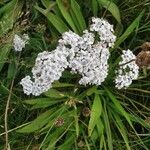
x,y
88,59
20,42
48,68
128,70
105,31
82,54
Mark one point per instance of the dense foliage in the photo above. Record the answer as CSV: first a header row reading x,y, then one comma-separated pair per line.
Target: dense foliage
x,y
70,115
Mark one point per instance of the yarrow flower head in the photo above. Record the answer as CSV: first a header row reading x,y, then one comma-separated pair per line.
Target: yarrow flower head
x,y
82,54
105,31
20,42
91,64
48,68
87,57
128,70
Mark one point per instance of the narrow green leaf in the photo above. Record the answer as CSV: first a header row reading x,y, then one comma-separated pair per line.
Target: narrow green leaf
x,y
11,70
91,90
121,129
58,84
65,12
54,93
100,130
54,20
95,7
42,102
53,137
38,123
76,122
57,113
87,143
57,135
100,127
108,129
75,20
95,114
10,15
7,7
112,7
102,142
77,11
4,51
94,135
68,143
129,30
47,3
5,91
119,107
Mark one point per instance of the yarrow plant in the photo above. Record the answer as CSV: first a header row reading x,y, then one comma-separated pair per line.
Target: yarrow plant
x,y
128,70
86,55
105,31
19,42
48,68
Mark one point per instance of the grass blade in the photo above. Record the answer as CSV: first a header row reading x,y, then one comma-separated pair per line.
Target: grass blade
x,y
94,7
112,7
54,94
4,51
107,127
38,123
129,30
54,20
65,12
95,114
77,11
121,128
119,107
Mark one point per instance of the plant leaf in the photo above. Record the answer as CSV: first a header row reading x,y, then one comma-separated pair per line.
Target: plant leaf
x,y
67,143
54,94
95,114
91,90
121,129
65,12
47,3
107,127
94,7
76,122
112,7
129,30
11,70
10,14
119,107
42,102
54,20
4,51
78,14
38,123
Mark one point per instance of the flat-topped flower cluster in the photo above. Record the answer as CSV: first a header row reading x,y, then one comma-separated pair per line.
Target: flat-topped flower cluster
x,y
86,55
19,42
128,70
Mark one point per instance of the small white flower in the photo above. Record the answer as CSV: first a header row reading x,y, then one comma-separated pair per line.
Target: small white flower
x,y
92,64
128,70
48,68
27,85
20,42
105,31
